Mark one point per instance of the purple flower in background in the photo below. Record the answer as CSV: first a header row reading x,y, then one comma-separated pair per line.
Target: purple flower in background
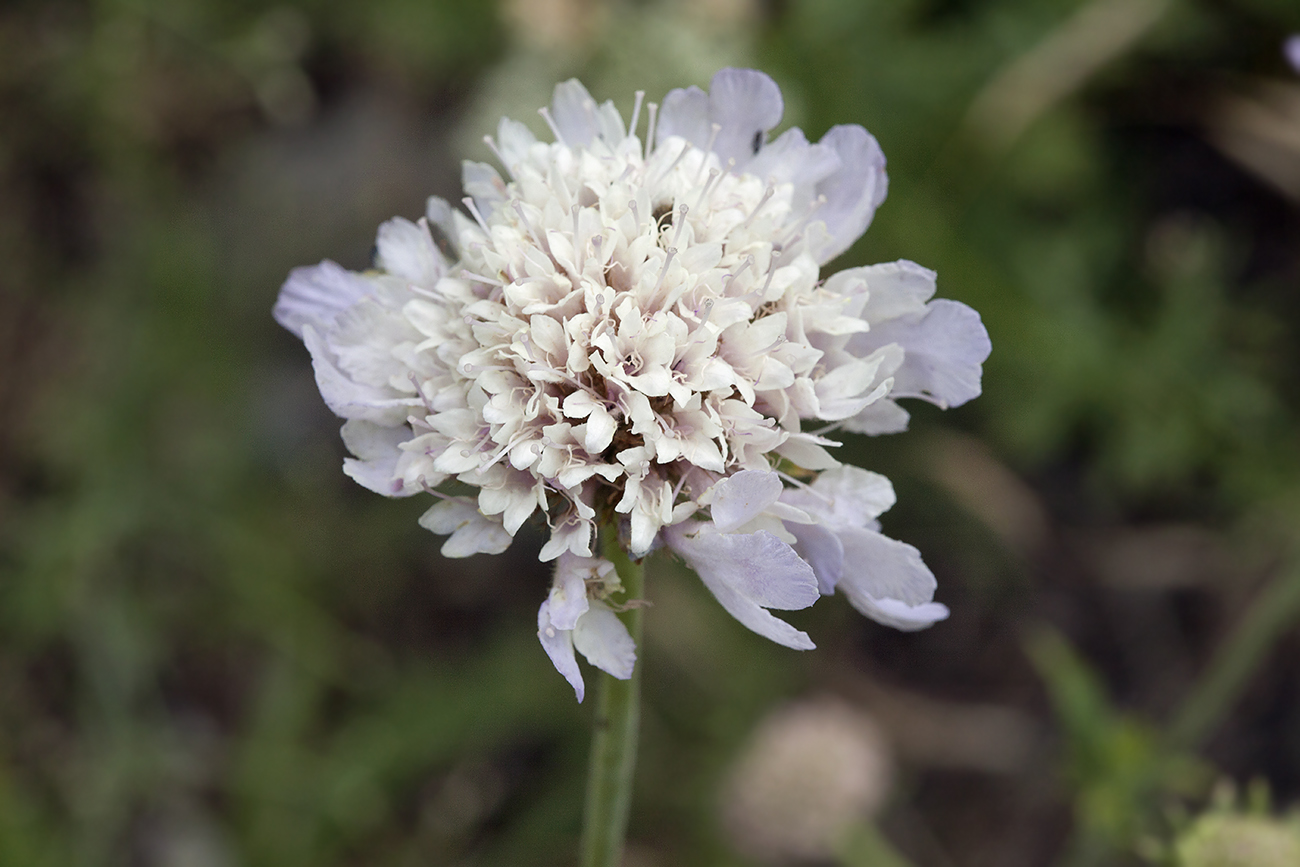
x,y
635,333
1291,48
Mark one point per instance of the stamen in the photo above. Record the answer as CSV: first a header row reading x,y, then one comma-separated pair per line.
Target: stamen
x,y
714,174
686,146
713,137
803,221
830,501
478,218
546,116
771,271
668,260
726,287
767,194
699,334
487,140
830,428
480,278
681,483
790,243
579,249
651,129
631,206
681,221
415,382
636,112
503,451
708,311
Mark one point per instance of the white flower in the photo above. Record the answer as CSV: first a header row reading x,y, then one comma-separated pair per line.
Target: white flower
x,y
810,773
636,332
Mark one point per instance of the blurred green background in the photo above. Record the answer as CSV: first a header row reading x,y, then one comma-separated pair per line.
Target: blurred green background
x,y
217,650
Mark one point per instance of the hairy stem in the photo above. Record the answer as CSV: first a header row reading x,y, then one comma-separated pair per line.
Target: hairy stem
x,y
614,741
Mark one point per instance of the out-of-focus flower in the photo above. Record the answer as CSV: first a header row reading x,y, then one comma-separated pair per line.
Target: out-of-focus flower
x,y
1291,48
809,773
1233,840
635,333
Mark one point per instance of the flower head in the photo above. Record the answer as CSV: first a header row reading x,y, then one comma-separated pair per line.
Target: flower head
x,y
636,331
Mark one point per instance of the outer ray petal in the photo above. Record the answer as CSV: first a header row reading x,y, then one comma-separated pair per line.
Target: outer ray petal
x,y
749,573
604,640
558,644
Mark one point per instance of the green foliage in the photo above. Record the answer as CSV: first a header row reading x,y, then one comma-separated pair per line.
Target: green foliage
x,y
1116,766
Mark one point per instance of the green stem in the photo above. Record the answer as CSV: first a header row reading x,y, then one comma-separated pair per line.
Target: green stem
x,y
613,745
1269,616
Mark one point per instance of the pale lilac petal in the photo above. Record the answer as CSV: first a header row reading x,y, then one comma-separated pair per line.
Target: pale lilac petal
x,y
609,124
604,640
791,159
945,350
844,497
558,644
748,573
685,112
805,450
569,591
741,497
514,141
377,450
483,185
745,103
471,531
1291,48
882,417
317,294
854,191
821,548
347,398
407,250
574,113
365,335
894,289
900,615
572,534
878,568
440,218
840,393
